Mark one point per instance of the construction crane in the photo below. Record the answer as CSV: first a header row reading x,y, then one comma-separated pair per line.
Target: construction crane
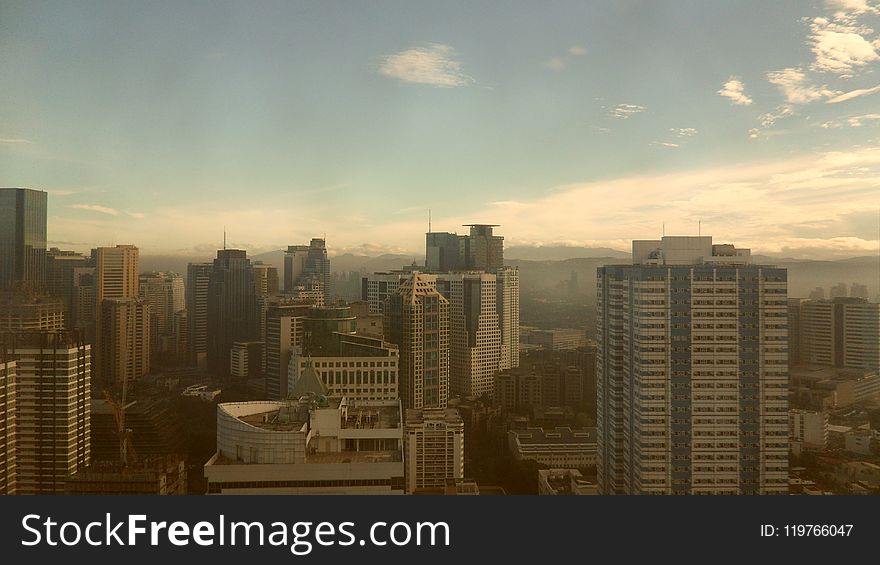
x,y
124,434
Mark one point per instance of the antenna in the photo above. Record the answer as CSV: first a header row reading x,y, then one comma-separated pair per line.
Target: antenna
x,y
699,227
224,238
664,229
429,220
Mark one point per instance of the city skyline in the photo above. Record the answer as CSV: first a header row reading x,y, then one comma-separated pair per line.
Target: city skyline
x,y
160,126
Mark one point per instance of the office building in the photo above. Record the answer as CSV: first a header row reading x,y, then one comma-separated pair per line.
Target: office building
x,y
320,326
116,272
417,321
284,335
22,239
843,332
305,264
558,339
246,359
125,340
162,476
64,271
434,445
198,280
480,250
561,448
310,445
7,424
824,388
165,293
366,322
265,279
356,367
692,372
232,307
52,397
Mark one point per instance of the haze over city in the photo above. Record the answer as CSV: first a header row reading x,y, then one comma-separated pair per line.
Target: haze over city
x,y
584,125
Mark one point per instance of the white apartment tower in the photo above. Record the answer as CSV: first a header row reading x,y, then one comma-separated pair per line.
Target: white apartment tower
x,y
692,372
434,448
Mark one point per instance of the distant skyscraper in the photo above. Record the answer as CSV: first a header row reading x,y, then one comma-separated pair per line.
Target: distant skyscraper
x,y
507,296
166,294
284,333
53,408
63,270
125,340
838,291
232,307
480,250
198,280
859,291
304,264
843,332
692,376
417,321
22,238
265,279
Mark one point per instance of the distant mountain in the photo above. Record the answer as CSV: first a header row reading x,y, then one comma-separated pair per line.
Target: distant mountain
x,y
346,262
560,253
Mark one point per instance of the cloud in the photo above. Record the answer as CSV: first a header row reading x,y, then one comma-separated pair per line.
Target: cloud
x,y
15,140
555,64
734,90
665,144
853,94
793,84
852,6
96,208
624,111
769,118
840,46
430,64
857,121
684,132
577,50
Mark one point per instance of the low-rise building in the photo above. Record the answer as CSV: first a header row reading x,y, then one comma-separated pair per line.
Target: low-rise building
x,y
562,448
565,482
825,387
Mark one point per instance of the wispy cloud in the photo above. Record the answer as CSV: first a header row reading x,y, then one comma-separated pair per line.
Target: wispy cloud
x,y
734,90
560,62
796,87
96,208
15,140
853,94
684,132
624,111
767,119
665,144
857,121
839,46
432,64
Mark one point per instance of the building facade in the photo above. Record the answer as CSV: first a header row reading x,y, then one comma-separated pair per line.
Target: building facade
x,y
232,307
692,372
22,238
434,446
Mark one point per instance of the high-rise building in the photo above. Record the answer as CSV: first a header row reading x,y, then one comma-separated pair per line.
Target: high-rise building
x,y
246,359
125,340
117,270
417,321
22,238
304,264
7,424
22,311
692,372
480,250
166,294
507,297
320,326
232,307
198,280
843,332
838,291
265,279
434,447
52,396
284,334
859,291
63,271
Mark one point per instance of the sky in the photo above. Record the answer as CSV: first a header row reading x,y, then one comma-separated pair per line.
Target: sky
x,y
569,123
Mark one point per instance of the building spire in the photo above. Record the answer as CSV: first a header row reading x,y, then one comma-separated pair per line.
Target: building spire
x,y
224,238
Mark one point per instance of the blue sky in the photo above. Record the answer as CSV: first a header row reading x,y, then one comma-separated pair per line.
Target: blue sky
x,y
588,123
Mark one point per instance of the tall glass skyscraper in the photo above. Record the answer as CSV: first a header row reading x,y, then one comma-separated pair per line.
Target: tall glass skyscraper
x,y
22,237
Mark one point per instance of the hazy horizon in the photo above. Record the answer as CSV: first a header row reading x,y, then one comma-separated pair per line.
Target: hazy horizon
x,y
583,125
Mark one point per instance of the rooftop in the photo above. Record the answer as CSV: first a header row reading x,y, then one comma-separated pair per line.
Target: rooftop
x,y
556,436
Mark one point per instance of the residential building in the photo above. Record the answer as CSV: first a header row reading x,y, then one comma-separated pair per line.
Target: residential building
x,y
434,446
125,340
246,359
7,424
842,332
692,371
198,282
809,428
